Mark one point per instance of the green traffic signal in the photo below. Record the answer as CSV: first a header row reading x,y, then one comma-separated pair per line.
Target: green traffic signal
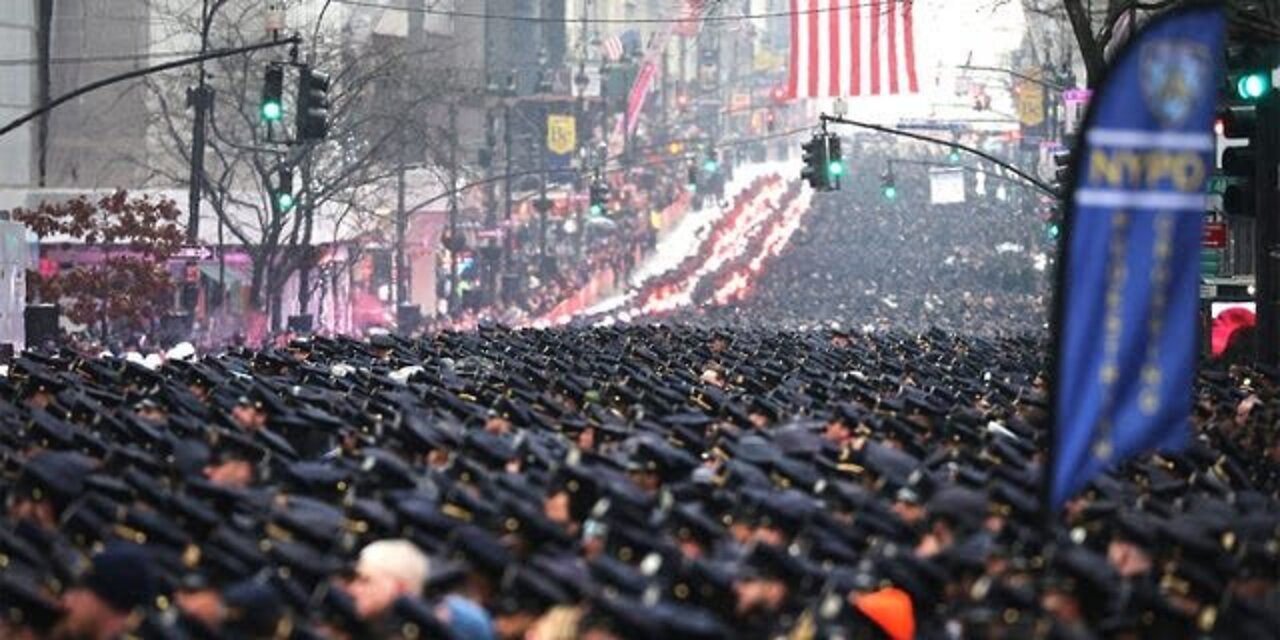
x,y
284,201
1252,86
835,168
954,157
1054,230
272,111
272,108
890,192
710,166
597,210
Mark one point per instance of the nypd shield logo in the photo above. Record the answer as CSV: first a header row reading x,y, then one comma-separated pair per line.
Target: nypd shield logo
x,y
1173,76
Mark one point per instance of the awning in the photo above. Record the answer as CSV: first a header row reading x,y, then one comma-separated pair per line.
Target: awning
x,y
231,277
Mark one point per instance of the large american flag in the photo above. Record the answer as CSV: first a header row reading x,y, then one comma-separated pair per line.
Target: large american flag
x,y
852,48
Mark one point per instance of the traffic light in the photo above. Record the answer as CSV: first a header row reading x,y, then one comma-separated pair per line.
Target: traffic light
x,y
888,185
1061,170
815,156
599,197
283,195
835,161
692,180
954,156
313,105
711,164
272,108
1239,166
1053,226
1252,85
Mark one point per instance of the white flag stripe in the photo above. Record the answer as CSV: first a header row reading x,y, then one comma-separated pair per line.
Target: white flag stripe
x,y
1138,139
840,45
1158,200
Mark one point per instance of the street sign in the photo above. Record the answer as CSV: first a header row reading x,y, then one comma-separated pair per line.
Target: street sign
x,y
946,186
1076,96
1075,100
1215,235
198,253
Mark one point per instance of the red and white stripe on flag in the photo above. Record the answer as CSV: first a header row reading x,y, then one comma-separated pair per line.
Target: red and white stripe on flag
x,y
852,48
613,48
691,12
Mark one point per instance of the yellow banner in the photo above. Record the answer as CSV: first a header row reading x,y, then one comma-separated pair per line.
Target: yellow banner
x,y
766,60
1030,98
562,134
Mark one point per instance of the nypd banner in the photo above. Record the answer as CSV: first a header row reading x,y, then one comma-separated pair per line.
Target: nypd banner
x,y
1126,332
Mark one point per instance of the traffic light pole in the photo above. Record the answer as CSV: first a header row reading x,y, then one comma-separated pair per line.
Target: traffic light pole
x,y
10,126
1032,180
507,246
454,298
402,224
1266,163
201,99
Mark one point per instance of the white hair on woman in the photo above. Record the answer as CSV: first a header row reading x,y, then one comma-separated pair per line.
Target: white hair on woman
x,y
399,560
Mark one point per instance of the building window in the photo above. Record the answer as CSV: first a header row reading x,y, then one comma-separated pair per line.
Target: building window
x,y
441,19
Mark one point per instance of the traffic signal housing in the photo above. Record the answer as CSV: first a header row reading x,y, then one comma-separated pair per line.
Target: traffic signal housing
x,y
283,194
1061,171
313,105
711,164
835,161
272,107
1252,84
1053,226
888,185
599,197
1239,166
815,154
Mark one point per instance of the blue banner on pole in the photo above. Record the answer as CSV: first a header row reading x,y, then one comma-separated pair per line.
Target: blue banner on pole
x,y
1126,333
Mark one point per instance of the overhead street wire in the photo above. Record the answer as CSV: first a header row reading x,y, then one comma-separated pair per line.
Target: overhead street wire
x,y
682,20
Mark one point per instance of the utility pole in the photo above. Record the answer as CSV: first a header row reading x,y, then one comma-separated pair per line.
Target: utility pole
x,y
402,224
454,298
506,184
201,100
543,206
666,92
308,213
1266,161
413,39
492,252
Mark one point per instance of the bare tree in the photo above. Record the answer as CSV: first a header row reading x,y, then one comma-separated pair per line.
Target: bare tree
x,y
384,99
1100,27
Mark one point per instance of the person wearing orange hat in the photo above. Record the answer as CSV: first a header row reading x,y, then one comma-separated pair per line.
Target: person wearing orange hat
x,y
890,608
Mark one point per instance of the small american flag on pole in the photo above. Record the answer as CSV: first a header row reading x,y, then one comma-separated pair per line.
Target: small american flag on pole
x,y
852,48
612,48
